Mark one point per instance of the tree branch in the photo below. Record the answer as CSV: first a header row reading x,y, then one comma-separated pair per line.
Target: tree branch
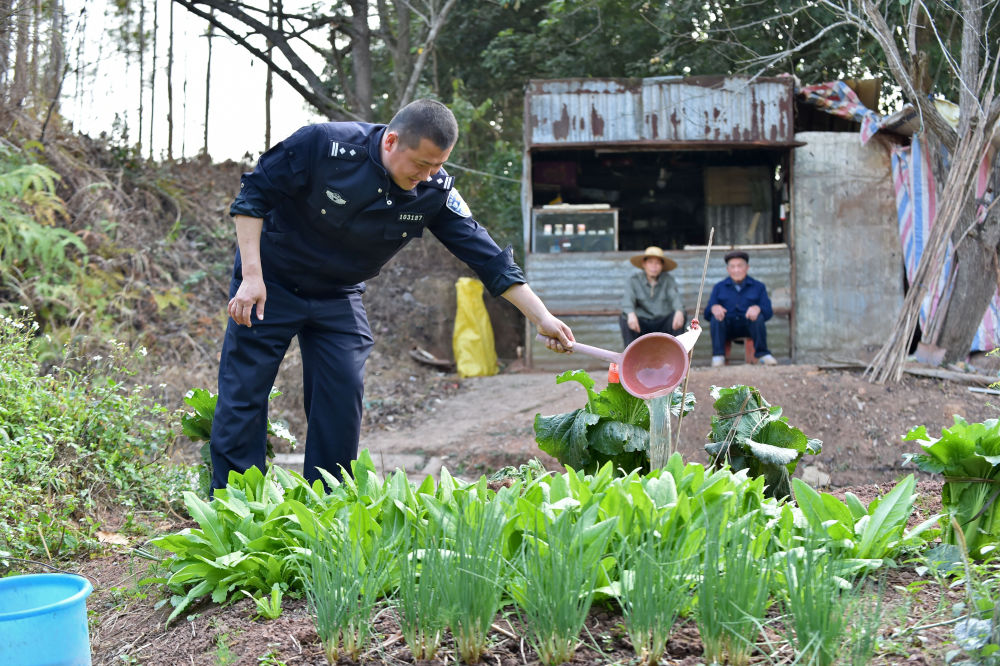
x,y
311,92
418,67
930,117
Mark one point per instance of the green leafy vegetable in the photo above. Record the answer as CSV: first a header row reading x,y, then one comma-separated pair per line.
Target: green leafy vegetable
x,y
612,427
968,455
866,537
248,539
748,433
198,426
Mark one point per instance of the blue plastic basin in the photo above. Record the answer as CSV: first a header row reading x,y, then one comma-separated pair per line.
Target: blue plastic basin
x,y
43,620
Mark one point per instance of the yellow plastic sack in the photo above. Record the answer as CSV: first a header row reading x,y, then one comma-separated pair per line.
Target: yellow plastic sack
x,y
472,342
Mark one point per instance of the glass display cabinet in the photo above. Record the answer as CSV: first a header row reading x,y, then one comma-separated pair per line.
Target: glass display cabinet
x,y
574,228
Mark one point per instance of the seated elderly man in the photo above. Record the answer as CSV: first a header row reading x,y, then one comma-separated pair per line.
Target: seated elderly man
x,y
652,302
738,308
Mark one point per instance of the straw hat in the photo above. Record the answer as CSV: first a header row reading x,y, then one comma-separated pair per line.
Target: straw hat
x,y
653,251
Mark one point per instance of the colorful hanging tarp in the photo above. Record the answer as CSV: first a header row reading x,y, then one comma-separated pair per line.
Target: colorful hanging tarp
x,y
837,98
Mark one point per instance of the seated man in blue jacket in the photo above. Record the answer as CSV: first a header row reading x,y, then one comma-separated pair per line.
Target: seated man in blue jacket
x,y
738,308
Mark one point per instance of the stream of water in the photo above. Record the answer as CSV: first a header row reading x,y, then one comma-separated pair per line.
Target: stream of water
x,y
659,431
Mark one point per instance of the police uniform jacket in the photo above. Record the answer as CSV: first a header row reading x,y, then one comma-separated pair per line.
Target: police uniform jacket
x,y
333,216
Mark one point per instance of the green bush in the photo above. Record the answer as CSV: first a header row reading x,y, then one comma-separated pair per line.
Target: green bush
x,y
76,442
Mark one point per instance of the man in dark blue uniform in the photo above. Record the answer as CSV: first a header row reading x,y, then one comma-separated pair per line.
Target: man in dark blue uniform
x,y
323,211
738,308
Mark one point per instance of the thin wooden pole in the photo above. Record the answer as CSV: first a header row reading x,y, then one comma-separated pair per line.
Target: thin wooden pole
x,y
697,312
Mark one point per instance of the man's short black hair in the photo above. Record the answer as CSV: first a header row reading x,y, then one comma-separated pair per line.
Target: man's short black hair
x,y
425,119
737,254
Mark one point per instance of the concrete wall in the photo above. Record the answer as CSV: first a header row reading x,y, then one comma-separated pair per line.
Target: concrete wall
x,y
846,252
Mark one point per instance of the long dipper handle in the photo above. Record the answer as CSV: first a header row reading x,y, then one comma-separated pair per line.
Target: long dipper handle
x,y
697,313
596,352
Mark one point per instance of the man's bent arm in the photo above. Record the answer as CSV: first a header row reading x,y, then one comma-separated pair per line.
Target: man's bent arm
x,y
525,300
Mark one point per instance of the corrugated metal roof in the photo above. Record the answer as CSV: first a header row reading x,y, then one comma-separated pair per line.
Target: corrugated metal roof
x,y
697,110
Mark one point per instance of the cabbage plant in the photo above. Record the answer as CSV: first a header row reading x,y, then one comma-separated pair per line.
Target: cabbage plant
x,y
748,433
612,427
968,455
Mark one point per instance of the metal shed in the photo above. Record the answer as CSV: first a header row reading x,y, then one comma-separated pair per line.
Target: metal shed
x,y
614,165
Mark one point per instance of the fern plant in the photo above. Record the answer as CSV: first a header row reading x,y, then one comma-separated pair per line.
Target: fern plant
x,y
39,262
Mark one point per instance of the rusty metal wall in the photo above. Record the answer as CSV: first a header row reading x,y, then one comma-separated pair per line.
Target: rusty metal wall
x,y
739,225
849,281
585,289
697,110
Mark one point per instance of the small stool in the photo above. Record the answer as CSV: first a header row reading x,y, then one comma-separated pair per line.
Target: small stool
x,y
748,350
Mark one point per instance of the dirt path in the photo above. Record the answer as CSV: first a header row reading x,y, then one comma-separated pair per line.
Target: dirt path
x,y
487,424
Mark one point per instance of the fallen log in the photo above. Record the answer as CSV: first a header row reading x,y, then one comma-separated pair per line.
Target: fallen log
x,y
937,373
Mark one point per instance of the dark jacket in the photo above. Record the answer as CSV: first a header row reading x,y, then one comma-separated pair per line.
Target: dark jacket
x,y
736,302
333,217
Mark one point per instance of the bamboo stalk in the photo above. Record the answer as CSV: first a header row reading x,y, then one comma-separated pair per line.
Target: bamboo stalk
x,y
697,312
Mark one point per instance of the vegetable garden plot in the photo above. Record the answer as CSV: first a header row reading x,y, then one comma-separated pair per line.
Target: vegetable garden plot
x,y
614,514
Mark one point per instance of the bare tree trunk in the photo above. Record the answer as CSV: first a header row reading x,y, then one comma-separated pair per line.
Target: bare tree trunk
x,y
170,88
972,24
57,54
208,84
434,73
142,73
22,66
6,31
152,77
272,9
34,89
362,58
184,114
82,89
57,67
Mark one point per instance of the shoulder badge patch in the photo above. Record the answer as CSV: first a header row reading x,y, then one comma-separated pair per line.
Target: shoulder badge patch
x,y
441,180
457,205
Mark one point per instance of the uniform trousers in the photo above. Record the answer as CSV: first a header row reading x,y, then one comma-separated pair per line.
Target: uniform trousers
x,y
335,340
